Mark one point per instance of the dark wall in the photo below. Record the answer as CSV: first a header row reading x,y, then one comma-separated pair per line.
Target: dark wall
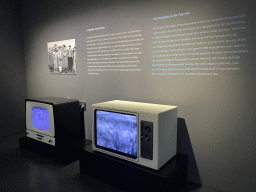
x,y
215,98
12,73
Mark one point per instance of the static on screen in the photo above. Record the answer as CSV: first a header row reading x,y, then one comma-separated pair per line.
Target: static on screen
x,y
117,131
40,118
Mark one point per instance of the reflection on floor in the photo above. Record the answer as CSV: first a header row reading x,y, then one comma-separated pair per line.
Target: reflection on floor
x,y
22,170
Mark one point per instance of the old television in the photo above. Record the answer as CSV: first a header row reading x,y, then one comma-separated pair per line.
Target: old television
x,y
142,133
53,120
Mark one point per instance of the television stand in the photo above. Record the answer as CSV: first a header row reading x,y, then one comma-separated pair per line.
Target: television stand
x,y
64,155
128,176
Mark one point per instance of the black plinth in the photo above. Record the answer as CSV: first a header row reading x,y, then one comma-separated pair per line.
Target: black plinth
x,y
64,155
128,176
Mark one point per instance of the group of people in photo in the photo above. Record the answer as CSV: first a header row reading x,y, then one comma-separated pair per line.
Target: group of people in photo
x,y
62,59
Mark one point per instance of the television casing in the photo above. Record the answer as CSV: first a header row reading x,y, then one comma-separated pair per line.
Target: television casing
x,y
65,121
162,139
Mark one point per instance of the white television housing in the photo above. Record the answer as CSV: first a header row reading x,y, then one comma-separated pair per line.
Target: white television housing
x,y
153,141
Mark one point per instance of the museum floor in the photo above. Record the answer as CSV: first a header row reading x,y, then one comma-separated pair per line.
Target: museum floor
x,y
22,170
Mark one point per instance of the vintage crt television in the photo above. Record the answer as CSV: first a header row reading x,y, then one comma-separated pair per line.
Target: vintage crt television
x,y
53,120
142,133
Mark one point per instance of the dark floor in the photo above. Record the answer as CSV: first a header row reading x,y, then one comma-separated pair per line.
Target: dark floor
x,y
22,170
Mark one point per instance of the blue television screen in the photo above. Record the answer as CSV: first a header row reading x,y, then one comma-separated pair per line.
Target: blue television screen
x,y
116,132
40,118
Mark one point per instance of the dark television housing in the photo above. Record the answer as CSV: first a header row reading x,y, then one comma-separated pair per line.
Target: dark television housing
x,y
55,121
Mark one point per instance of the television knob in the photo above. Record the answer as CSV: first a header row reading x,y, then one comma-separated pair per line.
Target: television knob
x,y
50,141
147,129
147,138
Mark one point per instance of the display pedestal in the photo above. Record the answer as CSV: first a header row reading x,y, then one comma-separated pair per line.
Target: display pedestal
x,y
63,155
128,176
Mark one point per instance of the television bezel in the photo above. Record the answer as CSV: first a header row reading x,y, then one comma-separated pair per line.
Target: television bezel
x,y
111,151
29,125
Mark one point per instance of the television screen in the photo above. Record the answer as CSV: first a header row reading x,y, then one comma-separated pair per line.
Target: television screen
x,y
116,132
40,118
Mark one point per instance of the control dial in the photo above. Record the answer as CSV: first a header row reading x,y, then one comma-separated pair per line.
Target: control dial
x,y
147,129
147,138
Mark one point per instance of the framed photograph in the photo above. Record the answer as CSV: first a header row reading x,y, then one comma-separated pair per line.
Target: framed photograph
x,y
62,57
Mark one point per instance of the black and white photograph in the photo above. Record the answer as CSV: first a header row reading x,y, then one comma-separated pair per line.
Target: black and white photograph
x,y
62,57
